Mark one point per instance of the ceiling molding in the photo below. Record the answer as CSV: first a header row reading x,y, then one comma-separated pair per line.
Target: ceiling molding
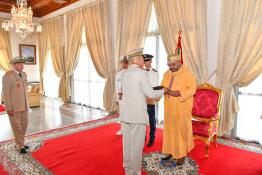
x,y
66,9
40,7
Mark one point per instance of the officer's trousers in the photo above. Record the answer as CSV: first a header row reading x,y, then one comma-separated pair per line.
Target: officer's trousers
x,y
19,122
133,143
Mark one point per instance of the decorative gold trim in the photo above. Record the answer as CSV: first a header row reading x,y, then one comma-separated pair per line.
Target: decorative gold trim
x,y
139,53
213,121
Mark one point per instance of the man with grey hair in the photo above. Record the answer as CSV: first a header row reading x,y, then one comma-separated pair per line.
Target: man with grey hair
x,y
133,111
15,98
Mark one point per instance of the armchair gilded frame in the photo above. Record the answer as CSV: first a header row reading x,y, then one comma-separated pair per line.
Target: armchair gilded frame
x,y
212,121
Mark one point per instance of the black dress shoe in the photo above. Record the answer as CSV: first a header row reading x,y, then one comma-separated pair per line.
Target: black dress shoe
x,y
150,143
169,156
23,151
26,147
180,161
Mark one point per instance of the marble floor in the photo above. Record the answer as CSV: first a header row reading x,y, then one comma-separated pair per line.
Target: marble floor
x,y
51,115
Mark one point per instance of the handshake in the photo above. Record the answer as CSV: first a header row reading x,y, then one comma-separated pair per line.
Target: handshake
x,y
168,91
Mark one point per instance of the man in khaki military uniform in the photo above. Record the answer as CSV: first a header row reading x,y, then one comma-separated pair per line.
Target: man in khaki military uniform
x,y
15,98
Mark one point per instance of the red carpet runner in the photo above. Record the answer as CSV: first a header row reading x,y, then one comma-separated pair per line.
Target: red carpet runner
x,y
2,171
99,152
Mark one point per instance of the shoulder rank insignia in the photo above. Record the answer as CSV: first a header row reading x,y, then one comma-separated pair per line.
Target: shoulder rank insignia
x,y
9,72
154,70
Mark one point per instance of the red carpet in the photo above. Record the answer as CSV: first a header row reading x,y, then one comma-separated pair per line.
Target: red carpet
x,y
99,152
95,152
225,160
2,171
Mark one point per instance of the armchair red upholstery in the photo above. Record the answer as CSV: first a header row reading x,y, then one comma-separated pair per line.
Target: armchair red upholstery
x,y
2,109
205,112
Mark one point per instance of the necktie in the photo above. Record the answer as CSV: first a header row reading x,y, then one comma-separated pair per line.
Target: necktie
x,y
20,74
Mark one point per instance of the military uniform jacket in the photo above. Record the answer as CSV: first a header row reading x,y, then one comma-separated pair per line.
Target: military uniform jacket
x,y
154,81
153,77
15,94
136,88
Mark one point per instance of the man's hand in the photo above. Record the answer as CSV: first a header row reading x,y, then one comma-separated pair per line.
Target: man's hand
x,y
157,99
175,93
10,113
166,90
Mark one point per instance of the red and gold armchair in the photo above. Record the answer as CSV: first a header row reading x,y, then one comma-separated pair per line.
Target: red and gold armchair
x,y
205,113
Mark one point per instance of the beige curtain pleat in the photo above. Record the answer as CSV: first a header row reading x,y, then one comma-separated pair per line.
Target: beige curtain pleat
x,y
74,29
5,49
98,38
132,25
57,45
43,48
239,53
190,16
64,48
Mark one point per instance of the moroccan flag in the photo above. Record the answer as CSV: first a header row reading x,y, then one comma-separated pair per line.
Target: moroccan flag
x,y
179,47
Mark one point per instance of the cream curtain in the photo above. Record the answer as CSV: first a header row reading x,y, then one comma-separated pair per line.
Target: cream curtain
x,y
252,74
239,53
98,38
43,48
191,17
56,41
64,47
132,24
5,49
74,29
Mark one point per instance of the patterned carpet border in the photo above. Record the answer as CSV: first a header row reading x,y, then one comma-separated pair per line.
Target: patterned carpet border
x,y
15,163
235,143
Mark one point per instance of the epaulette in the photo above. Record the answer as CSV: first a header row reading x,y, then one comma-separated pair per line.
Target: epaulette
x,y
154,70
